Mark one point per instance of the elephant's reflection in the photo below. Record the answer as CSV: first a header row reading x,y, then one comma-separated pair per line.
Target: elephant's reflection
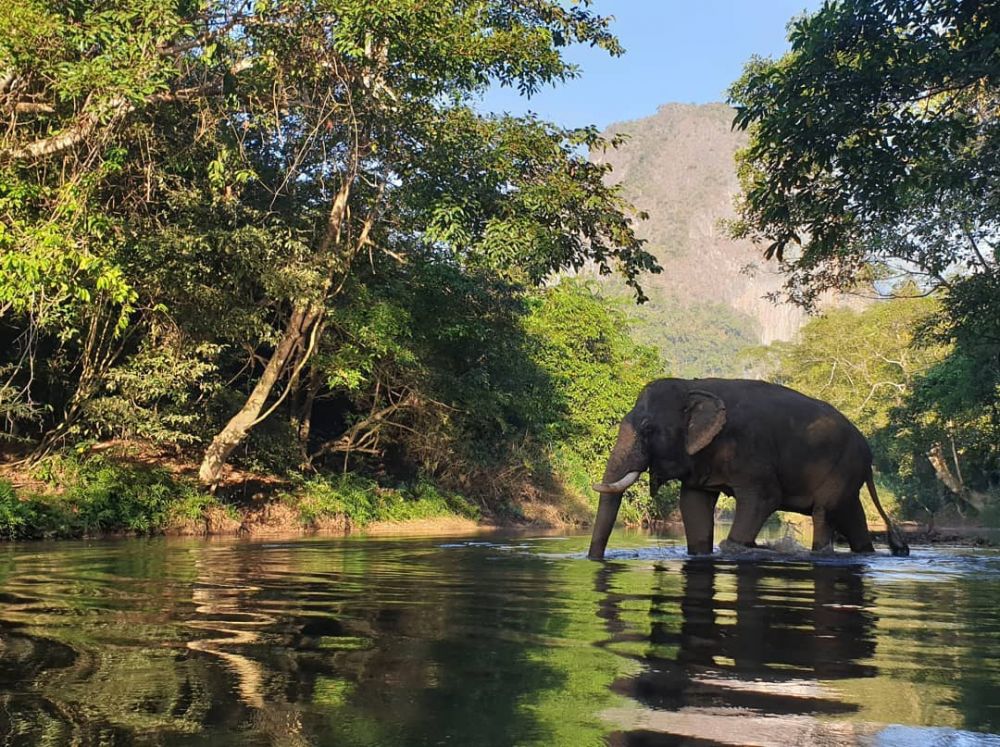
x,y
749,635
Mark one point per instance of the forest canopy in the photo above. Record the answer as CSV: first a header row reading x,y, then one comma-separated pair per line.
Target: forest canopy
x,y
283,231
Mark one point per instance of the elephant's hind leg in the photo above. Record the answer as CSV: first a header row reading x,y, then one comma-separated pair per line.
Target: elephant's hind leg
x,y
698,513
822,531
753,507
850,520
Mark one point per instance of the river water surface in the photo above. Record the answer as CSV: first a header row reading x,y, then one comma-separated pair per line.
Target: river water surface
x,y
433,641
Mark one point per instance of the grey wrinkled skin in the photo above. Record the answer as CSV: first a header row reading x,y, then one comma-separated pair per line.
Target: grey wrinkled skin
x,y
769,446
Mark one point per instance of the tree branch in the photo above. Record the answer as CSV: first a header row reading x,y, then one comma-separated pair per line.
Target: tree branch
x,y
33,107
975,249
119,107
346,441
71,137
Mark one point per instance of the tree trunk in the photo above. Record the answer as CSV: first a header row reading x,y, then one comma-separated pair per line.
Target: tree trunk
x,y
954,483
300,325
302,419
216,455
96,358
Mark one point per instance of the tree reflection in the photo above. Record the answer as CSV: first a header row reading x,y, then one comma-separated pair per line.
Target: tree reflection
x,y
402,642
380,643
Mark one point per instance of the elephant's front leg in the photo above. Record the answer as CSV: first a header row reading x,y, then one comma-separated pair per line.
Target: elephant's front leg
x,y
698,513
753,507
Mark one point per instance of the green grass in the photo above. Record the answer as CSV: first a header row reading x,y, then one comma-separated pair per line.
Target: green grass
x,y
361,501
101,495
96,495
192,505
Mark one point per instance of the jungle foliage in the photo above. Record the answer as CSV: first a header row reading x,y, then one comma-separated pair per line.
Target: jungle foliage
x,y
281,234
874,166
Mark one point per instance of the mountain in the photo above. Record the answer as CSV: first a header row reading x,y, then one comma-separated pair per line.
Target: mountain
x,y
709,302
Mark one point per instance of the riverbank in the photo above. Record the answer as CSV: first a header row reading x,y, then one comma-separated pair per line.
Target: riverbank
x,y
113,493
106,494
109,494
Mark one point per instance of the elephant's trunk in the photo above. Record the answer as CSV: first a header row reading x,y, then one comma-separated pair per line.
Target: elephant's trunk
x,y
607,512
626,463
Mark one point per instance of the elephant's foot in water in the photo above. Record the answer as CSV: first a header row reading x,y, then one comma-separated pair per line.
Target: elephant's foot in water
x,y
729,547
823,532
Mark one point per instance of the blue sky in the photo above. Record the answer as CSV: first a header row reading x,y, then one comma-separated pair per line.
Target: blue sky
x,y
686,51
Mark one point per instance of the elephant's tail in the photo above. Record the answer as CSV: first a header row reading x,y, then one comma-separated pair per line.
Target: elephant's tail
x,y
897,545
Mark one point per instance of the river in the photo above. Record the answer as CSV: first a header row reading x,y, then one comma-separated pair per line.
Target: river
x,y
493,641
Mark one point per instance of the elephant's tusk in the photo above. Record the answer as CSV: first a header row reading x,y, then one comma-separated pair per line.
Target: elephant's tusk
x,y
617,487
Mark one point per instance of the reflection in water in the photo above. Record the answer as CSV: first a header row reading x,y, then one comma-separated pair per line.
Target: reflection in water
x,y
419,642
755,649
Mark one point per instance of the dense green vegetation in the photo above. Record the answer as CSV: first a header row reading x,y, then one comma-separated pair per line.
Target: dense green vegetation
x,y
98,496
872,166
509,396
75,497
279,237
693,338
196,299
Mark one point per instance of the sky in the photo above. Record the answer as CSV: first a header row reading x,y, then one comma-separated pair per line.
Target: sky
x,y
686,51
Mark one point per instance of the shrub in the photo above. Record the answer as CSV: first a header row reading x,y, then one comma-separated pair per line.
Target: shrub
x,y
101,495
16,516
362,501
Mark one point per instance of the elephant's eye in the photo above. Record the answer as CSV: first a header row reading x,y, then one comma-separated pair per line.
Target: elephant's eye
x,y
646,426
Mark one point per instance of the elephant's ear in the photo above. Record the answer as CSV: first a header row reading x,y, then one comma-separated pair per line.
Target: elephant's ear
x,y
706,414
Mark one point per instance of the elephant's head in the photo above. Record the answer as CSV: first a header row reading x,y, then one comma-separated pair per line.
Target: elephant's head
x,y
660,434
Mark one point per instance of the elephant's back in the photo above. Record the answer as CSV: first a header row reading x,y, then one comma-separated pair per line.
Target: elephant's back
x,y
762,411
766,401
808,441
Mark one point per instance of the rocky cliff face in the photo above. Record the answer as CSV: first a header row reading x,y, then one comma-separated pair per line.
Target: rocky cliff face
x,y
678,166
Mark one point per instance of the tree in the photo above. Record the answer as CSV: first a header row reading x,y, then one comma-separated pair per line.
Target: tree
x,y
490,388
875,152
865,363
278,144
875,141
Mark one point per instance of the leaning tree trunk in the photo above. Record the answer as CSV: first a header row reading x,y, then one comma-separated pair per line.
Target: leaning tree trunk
x,y
303,317
301,326
954,480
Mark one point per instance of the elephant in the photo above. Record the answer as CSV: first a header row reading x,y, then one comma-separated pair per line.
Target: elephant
x,y
771,447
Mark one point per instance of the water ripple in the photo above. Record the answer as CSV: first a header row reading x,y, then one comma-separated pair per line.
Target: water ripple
x,y
495,641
